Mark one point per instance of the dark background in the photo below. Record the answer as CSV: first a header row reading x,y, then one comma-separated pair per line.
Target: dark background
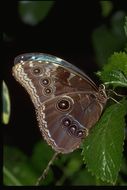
x,y
66,33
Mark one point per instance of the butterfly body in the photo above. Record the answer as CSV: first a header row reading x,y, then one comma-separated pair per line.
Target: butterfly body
x,y
67,102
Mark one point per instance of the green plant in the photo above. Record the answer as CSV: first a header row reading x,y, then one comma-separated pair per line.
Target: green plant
x,y
103,157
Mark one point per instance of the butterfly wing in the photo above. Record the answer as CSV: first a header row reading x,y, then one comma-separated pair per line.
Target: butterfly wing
x,y
45,76
67,101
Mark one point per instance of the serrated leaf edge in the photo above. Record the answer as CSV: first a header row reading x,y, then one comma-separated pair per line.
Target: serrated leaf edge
x,y
93,174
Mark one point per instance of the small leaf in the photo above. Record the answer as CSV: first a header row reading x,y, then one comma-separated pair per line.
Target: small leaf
x,y
104,43
115,71
117,22
72,167
42,154
6,104
123,173
106,39
106,7
10,178
125,26
32,12
65,159
17,170
103,148
84,178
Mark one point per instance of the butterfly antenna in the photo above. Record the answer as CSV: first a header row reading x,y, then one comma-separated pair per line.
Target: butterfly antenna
x,y
45,172
120,95
114,100
112,91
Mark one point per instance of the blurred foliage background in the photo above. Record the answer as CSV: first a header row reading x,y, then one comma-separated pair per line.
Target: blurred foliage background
x,y
83,34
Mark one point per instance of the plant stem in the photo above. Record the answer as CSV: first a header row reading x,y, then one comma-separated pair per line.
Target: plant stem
x,y
44,174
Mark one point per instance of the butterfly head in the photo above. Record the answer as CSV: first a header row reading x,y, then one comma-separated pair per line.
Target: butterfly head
x,y
102,95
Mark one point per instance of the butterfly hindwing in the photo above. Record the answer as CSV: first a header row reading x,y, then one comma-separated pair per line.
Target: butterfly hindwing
x,y
65,120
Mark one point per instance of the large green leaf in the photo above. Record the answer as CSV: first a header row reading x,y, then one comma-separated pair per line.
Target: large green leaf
x,y
102,151
32,12
115,71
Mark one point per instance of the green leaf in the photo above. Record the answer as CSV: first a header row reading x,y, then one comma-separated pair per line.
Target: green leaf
x,y
84,178
124,166
66,158
32,12
102,151
117,23
106,39
102,40
125,26
17,170
106,7
42,154
10,178
72,166
115,71
6,104
122,178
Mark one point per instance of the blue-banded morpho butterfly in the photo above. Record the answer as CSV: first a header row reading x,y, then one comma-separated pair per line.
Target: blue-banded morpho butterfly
x,y
67,102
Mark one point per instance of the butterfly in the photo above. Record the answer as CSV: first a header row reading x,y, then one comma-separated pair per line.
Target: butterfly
x,y
67,102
